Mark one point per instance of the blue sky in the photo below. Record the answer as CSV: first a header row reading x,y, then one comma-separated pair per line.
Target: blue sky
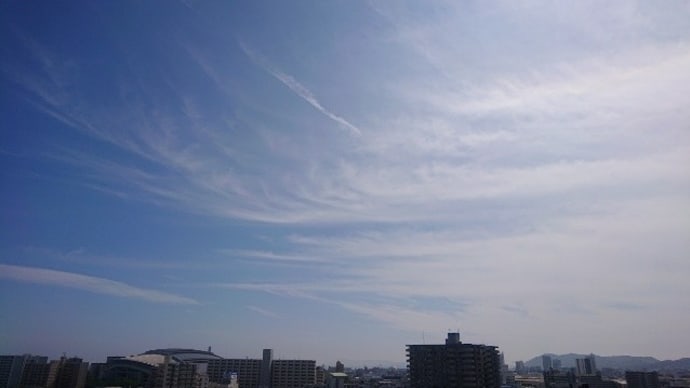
x,y
334,180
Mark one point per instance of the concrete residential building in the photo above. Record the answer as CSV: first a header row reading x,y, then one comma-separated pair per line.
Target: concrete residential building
x,y
39,374
336,380
546,363
36,372
12,368
263,373
554,378
247,371
293,373
595,381
520,367
320,375
454,364
556,364
586,366
71,373
642,379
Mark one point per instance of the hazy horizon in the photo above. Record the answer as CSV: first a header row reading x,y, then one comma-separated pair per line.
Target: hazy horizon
x,y
335,180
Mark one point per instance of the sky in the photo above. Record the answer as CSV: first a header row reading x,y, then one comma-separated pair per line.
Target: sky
x,y
335,180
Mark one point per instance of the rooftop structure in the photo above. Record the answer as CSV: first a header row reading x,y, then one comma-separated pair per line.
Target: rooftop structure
x,y
158,367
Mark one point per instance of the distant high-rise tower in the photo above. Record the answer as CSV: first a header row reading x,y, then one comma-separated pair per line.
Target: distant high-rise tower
x,y
11,368
453,338
546,362
556,364
265,374
594,362
520,367
293,373
586,366
453,365
71,373
504,369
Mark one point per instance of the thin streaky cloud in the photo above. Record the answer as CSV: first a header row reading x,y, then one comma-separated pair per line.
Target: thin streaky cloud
x,y
491,149
271,256
88,283
298,89
83,256
399,316
262,311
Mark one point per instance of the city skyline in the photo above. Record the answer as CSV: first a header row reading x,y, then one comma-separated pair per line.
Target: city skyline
x,y
334,180
571,362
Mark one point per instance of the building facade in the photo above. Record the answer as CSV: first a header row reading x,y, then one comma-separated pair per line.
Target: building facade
x,y
546,363
247,371
293,373
453,365
642,379
71,373
263,373
586,366
559,379
11,368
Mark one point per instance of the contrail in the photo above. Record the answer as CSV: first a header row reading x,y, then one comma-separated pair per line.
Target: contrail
x,y
298,89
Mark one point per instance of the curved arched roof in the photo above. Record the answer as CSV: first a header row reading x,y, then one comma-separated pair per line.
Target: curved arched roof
x,y
149,359
185,355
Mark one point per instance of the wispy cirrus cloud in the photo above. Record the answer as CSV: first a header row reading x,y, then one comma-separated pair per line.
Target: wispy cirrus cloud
x,y
262,311
380,272
272,256
396,312
516,158
91,284
83,256
403,161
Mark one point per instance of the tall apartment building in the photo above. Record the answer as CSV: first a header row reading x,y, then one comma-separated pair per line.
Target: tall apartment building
x,y
520,367
546,363
642,379
263,373
247,371
554,378
266,366
320,375
586,366
454,364
71,373
293,373
178,375
556,364
39,374
28,371
11,368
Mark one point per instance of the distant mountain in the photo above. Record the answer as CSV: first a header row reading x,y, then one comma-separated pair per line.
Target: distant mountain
x,y
673,365
617,362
